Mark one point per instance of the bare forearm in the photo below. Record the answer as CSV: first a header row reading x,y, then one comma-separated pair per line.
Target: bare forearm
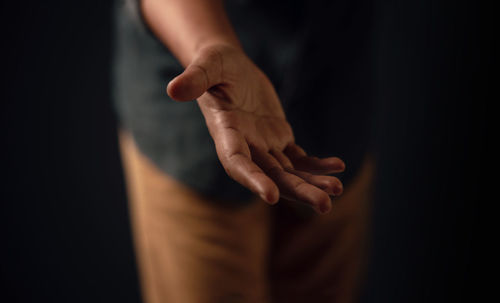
x,y
185,26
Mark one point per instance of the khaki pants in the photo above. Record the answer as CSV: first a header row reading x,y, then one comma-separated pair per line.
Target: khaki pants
x,y
190,249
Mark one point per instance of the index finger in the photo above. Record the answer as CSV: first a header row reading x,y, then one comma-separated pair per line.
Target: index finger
x,y
234,155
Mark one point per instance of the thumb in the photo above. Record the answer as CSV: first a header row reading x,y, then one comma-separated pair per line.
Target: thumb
x,y
203,73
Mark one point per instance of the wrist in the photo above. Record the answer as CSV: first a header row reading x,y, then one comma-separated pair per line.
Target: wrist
x,y
224,41
223,46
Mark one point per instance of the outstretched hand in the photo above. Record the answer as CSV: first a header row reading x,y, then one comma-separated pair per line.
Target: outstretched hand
x,y
253,139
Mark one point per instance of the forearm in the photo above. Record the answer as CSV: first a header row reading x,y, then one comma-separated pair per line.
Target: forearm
x,y
185,26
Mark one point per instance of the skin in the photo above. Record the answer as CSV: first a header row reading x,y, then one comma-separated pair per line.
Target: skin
x,y
243,113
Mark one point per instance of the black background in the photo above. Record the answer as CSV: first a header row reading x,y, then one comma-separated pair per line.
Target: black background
x,y
64,224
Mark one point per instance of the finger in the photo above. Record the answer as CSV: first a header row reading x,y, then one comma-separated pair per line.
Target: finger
x,y
314,165
331,185
282,159
234,154
241,168
204,72
291,186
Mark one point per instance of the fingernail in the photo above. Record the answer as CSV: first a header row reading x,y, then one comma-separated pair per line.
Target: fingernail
x,y
337,190
269,198
324,208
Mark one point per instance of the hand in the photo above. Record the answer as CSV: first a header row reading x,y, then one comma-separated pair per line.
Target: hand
x,y
253,139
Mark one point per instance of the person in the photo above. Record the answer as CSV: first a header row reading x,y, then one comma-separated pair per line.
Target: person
x,y
204,178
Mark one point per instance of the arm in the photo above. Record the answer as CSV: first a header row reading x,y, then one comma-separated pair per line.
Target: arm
x,y
243,113
186,26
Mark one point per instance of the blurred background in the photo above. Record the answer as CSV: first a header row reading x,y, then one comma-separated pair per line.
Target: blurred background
x,y
65,235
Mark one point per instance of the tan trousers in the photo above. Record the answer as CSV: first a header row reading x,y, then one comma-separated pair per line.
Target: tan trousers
x,y
190,249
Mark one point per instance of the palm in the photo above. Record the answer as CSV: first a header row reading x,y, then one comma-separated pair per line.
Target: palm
x,y
254,142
